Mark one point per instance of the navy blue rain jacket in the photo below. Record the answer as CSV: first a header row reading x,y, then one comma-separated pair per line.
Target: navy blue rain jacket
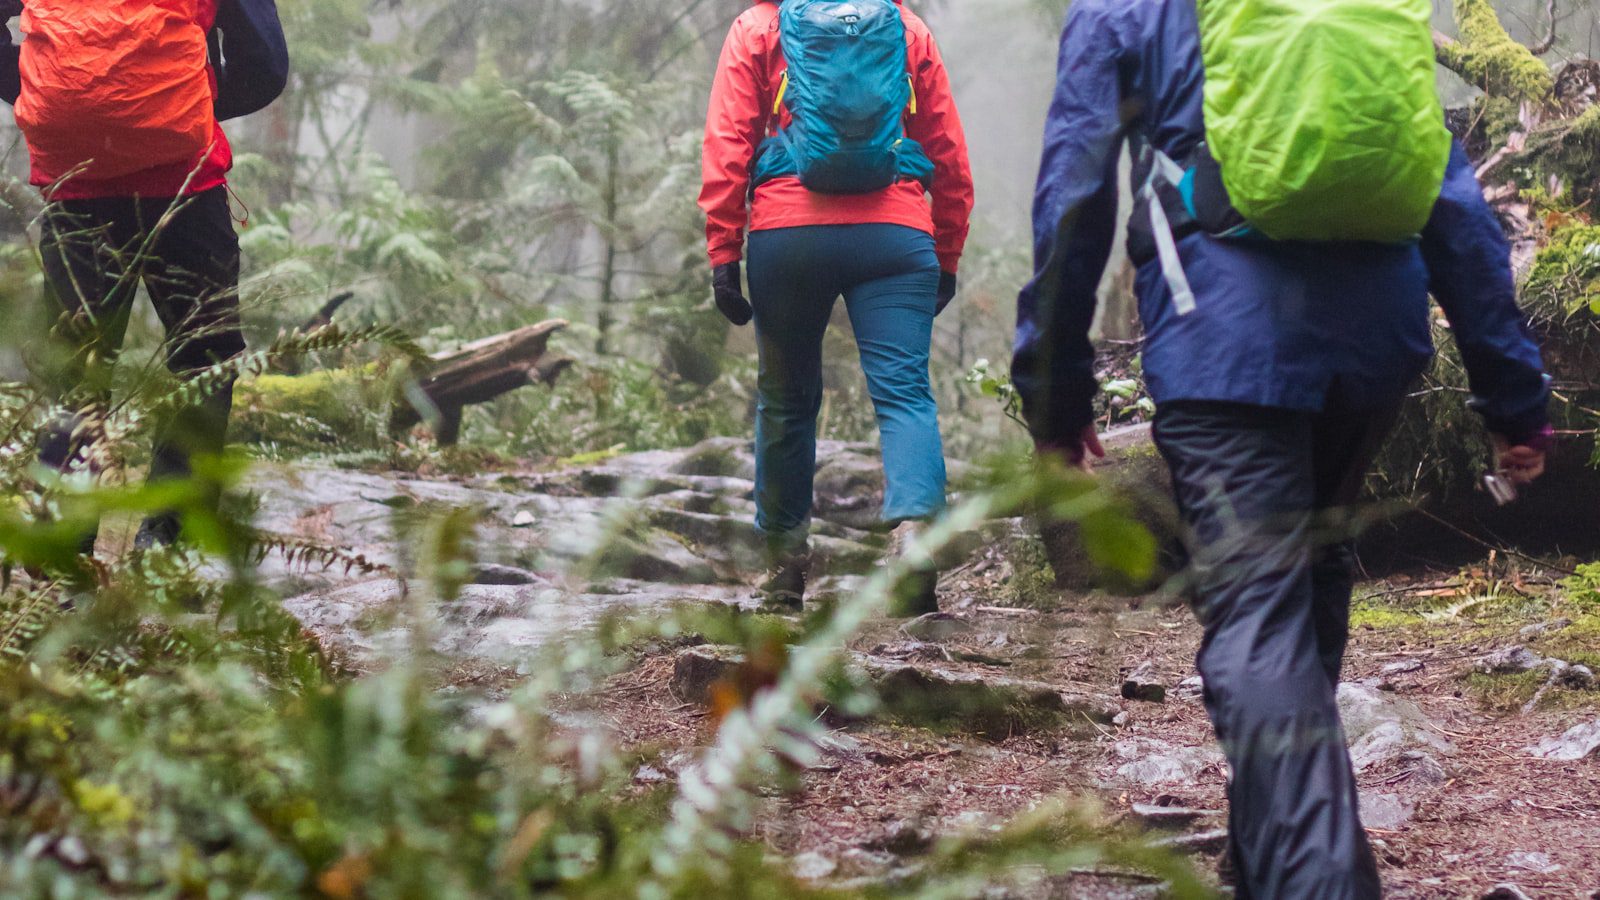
x,y
1286,325
248,52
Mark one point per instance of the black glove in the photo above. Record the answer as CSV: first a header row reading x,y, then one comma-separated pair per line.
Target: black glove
x,y
947,291
726,287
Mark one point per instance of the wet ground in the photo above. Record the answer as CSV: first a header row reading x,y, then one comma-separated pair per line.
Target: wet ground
x,y
1458,740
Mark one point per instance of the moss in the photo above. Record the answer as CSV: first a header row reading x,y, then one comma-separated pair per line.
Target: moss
x,y
1506,693
1378,617
1565,278
1487,56
1033,582
314,410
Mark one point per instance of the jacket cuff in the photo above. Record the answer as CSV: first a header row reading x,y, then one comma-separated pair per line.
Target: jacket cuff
x,y
1531,429
724,255
949,262
1059,424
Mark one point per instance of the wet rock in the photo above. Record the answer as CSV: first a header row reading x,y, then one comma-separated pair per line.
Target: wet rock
x,y
1578,678
1424,768
1142,684
1402,667
849,487
1578,742
1533,861
1156,816
496,574
1383,728
1510,661
1138,478
1507,891
812,866
648,775
1386,812
656,557
1150,761
718,458
1191,688
989,706
1543,628
904,838
839,743
937,628
858,862
696,669
1213,841
842,556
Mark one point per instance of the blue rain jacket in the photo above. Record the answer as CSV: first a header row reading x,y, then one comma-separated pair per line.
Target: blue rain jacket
x,y
1287,325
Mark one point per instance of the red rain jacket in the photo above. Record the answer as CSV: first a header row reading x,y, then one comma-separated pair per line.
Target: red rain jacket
x,y
123,82
741,117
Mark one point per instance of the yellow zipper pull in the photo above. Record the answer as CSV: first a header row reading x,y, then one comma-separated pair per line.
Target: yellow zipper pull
x,y
913,83
783,88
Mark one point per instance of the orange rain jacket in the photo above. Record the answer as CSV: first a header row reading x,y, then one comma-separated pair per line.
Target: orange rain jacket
x,y
740,118
128,83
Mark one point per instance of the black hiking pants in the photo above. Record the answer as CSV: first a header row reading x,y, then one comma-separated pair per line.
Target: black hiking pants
x,y
1265,494
96,253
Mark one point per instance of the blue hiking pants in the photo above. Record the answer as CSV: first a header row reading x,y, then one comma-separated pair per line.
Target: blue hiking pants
x,y
889,278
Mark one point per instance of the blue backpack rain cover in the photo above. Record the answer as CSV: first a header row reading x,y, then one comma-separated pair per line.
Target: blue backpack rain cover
x,y
848,88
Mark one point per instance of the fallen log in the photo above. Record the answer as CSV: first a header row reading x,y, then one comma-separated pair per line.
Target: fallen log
x,y
478,373
333,405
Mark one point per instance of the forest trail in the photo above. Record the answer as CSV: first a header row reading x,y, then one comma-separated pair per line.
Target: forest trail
x,y
1001,702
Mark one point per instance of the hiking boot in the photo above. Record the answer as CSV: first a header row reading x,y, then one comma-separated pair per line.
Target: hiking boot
x,y
785,585
157,531
916,593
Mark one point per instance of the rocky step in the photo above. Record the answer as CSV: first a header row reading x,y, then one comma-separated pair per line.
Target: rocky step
x,y
941,697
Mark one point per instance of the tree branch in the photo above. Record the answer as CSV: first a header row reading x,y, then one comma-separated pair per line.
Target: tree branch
x,y
1487,57
1549,43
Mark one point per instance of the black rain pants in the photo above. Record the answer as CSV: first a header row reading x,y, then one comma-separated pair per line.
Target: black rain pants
x,y
95,254
1266,495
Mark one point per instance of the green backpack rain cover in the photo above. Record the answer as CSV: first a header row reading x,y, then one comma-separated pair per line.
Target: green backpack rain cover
x,y
1325,116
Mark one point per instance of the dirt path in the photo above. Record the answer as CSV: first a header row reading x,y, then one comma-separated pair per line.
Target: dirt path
x,y
1008,700
1490,813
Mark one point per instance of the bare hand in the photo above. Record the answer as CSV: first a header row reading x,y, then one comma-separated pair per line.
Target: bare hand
x,y
1077,454
1519,465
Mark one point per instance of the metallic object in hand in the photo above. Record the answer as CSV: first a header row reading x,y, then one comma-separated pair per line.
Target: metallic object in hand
x,y
1500,488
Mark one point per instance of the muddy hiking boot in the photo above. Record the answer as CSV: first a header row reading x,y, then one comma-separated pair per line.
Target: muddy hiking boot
x,y
916,592
785,584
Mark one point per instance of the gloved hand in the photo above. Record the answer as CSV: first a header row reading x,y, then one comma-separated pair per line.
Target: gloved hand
x,y
947,291
729,293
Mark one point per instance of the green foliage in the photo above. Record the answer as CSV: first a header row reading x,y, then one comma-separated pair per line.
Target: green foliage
x,y
616,402
147,749
1583,588
998,387
1566,274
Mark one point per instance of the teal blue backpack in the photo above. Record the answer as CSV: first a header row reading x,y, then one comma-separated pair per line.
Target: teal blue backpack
x,y
848,88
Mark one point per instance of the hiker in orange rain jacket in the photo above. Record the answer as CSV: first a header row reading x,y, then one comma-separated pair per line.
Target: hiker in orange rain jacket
x,y
119,102
889,250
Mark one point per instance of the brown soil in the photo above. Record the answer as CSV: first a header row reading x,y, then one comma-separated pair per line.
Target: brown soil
x,y
899,782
